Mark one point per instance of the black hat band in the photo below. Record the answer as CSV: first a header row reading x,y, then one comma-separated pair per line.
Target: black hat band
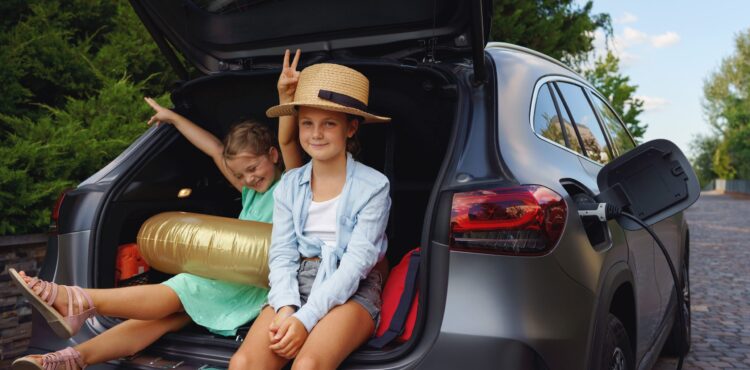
x,y
342,99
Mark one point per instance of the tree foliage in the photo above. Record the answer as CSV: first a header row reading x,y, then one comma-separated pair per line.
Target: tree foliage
x,y
616,87
726,94
703,163
63,147
565,31
558,28
69,103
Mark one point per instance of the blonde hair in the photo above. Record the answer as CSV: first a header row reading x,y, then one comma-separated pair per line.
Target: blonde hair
x,y
248,136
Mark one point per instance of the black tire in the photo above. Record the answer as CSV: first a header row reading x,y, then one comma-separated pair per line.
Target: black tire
x,y
679,341
615,351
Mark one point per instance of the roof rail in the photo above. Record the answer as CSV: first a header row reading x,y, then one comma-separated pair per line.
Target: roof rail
x,y
505,45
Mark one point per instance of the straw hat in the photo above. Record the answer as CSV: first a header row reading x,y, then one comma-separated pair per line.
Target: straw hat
x,y
330,87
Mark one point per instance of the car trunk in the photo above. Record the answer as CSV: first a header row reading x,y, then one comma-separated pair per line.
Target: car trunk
x,y
421,99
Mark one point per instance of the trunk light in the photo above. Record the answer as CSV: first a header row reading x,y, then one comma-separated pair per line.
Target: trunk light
x,y
524,220
184,193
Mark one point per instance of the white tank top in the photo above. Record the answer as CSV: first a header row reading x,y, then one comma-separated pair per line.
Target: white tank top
x,y
321,221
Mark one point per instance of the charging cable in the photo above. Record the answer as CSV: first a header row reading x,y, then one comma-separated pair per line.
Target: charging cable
x,y
588,207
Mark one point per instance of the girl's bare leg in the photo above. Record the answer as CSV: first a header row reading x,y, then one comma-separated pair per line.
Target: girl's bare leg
x,y
254,352
143,302
125,339
344,329
129,337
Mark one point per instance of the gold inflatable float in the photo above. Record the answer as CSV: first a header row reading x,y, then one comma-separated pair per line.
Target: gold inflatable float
x,y
210,246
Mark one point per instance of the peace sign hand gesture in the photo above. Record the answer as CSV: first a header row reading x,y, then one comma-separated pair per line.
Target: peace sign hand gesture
x,y
287,84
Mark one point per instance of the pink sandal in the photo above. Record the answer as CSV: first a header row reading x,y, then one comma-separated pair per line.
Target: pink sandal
x,y
68,359
64,327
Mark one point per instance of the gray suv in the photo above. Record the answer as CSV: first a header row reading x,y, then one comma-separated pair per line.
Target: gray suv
x,y
489,147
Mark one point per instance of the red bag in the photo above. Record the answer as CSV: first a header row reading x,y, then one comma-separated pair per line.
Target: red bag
x,y
400,302
129,262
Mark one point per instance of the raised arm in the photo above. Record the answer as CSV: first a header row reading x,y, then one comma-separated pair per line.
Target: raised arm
x,y
202,139
291,151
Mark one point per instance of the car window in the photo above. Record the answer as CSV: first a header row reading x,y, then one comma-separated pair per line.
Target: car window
x,y
574,142
621,140
546,119
584,118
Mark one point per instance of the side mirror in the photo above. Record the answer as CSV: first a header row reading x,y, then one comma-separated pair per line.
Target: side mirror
x,y
654,181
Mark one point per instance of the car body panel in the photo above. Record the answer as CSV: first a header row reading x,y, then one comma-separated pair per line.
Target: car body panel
x,y
529,300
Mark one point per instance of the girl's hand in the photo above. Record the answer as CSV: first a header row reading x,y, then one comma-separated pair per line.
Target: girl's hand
x,y
287,84
290,338
163,115
284,313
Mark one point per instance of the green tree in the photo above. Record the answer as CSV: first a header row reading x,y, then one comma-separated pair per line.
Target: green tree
x,y
69,105
726,95
616,87
705,147
565,30
63,147
46,54
558,28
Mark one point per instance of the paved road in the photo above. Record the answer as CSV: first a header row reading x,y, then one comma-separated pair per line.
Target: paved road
x,y
720,284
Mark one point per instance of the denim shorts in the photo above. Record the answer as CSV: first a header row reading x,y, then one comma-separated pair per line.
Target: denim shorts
x,y
367,295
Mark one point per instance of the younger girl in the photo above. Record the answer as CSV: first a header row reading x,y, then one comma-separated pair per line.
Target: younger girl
x,y
328,234
250,161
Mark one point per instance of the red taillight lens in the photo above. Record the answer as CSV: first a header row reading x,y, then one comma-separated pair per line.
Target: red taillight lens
x,y
524,220
53,227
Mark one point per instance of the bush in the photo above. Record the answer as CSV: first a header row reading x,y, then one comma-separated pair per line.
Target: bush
x,y
63,147
66,110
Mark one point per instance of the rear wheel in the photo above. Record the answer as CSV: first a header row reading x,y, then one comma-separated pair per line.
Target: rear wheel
x,y
678,342
616,352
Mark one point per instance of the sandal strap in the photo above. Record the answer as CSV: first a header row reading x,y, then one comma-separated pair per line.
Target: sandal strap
x,y
48,291
68,357
76,296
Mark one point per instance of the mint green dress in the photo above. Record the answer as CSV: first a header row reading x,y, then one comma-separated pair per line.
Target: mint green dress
x,y
220,306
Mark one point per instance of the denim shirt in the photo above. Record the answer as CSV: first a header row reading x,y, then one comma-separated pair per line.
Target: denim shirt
x,y
361,218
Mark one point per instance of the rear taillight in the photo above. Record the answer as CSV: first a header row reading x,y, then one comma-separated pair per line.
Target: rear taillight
x,y
55,217
524,220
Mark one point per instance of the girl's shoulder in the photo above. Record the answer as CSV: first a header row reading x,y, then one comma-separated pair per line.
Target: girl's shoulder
x,y
293,176
296,173
367,174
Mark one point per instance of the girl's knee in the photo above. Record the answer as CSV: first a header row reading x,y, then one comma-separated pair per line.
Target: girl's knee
x,y
244,361
239,361
307,362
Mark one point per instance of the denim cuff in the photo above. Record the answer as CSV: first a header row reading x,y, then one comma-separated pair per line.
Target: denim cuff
x,y
307,317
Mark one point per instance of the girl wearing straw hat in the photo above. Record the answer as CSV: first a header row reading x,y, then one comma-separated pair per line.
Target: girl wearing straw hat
x,y
328,234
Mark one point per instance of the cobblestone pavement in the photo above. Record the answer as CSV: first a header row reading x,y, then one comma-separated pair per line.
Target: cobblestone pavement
x,y
720,284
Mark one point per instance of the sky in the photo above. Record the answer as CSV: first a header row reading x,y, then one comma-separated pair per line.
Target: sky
x,y
668,49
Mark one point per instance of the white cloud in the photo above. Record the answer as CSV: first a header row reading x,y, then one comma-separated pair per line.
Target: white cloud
x,y
665,39
617,45
626,19
652,103
631,36
624,43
